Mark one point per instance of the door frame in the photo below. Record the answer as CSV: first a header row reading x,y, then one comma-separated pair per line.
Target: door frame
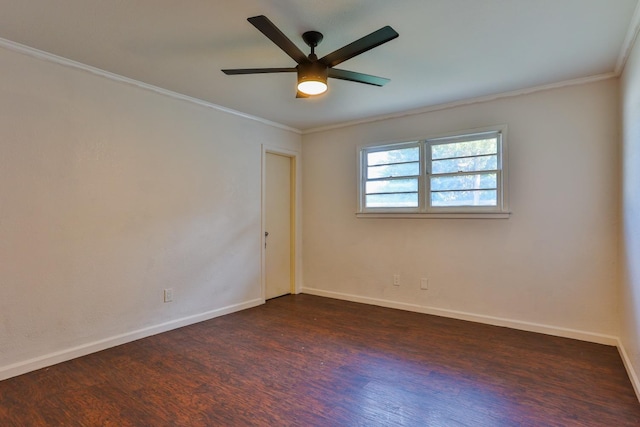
x,y
296,228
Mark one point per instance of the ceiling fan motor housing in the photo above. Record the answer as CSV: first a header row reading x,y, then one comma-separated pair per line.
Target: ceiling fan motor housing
x,y
315,71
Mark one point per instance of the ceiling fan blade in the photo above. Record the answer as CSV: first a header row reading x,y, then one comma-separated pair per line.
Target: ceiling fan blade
x,y
301,95
258,70
352,76
274,34
359,46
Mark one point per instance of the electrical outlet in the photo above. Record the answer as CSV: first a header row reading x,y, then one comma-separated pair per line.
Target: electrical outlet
x,y
168,295
424,283
396,280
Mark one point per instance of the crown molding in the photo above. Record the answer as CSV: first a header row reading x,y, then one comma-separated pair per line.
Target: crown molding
x,y
629,41
466,102
46,56
39,54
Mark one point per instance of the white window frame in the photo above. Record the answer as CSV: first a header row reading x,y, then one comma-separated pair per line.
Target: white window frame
x,y
424,210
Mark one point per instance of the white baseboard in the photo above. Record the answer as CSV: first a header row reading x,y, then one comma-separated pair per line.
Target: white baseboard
x,y
85,349
496,321
92,347
629,367
479,318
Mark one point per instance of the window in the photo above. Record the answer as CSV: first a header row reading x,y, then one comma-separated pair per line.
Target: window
x,y
453,175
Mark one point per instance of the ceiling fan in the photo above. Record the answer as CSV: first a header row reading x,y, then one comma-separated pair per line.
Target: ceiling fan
x,y
313,72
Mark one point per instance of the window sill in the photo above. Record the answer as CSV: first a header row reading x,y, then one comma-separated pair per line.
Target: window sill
x,y
435,215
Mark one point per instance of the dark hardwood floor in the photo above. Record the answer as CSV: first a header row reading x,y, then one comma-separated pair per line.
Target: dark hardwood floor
x,y
309,361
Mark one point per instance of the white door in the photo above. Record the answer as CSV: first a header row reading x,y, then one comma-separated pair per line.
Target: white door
x,y
278,236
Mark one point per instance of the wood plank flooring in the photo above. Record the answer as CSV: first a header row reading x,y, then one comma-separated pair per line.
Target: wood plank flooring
x,y
310,361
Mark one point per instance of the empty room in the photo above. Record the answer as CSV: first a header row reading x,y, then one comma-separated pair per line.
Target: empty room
x,y
305,213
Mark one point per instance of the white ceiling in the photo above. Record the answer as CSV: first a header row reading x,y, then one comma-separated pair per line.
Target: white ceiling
x,y
448,50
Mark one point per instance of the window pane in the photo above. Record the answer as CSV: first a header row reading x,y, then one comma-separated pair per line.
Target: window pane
x,y
465,198
400,200
402,155
464,149
463,171
402,169
464,182
468,164
392,186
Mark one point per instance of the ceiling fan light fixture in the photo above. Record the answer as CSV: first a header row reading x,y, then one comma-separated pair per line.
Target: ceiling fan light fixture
x,y
312,78
312,87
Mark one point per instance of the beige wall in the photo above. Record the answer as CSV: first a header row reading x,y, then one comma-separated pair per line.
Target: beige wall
x,y
630,229
110,193
551,267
